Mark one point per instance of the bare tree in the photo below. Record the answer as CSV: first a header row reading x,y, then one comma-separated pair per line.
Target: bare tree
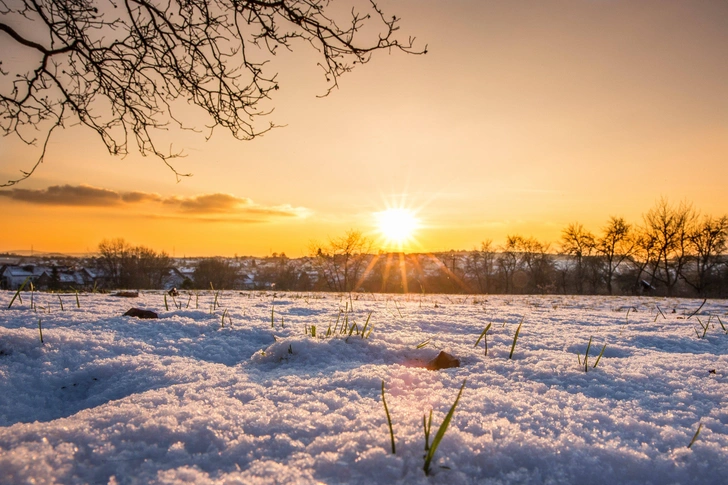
x,y
127,266
480,266
615,246
113,254
580,244
119,67
667,229
707,242
342,261
220,273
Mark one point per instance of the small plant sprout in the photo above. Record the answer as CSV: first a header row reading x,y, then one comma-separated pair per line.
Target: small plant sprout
x,y
441,432
222,323
704,327
40,330
366,324
586,356
272,312
484,336
515,338
427,425
17,293
695,436
423,344
389,420
599,357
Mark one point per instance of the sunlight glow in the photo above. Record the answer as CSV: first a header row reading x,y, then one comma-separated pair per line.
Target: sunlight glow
x,y
397,227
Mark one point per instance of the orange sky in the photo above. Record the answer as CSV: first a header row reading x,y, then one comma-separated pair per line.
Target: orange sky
x,y
523,117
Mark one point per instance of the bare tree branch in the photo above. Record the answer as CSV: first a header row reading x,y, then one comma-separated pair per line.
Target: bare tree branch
x,y
121,67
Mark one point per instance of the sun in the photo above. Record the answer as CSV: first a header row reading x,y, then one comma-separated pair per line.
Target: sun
x,y
397,226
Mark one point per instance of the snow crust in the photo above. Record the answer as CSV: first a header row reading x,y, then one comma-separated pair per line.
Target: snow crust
x,y
184,399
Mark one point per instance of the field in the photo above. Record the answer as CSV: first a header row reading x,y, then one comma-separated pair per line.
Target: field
x,y
230,387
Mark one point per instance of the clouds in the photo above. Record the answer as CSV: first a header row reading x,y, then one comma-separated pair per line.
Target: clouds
x,y
67,195
205,207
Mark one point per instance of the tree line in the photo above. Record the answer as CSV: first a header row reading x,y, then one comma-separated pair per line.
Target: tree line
x,y
673,251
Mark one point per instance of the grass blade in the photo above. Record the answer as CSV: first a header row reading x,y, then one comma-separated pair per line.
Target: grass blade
x,y
389,420
482,335
60,301
695,437
423,344
40,330
586,355
515,338
366,324
428,427
17,293
441,432
600,356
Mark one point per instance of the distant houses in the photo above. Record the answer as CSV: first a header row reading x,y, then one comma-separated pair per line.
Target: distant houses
x,y
13,276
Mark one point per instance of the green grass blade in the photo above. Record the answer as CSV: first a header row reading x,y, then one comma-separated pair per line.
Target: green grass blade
x,y
515,338
17,293
586,355
441,432
482,335
600,356
272,317
423,343
389,420
695,437
366,324
428,427
78,303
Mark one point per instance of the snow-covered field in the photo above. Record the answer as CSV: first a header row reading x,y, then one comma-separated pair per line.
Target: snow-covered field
x,y
115,399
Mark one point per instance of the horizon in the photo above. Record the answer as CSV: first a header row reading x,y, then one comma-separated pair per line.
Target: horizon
x,y
522,118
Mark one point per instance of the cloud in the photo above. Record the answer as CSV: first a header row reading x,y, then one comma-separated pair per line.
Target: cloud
x,y
205,207
210,203
136,197
66,195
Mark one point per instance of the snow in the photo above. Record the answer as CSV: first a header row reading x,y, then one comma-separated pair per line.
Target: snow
x,y
183,399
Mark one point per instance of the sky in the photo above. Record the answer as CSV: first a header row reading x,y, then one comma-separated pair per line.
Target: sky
x,y
523,117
